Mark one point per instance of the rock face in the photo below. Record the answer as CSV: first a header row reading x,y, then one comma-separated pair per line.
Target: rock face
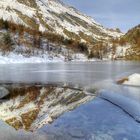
x,y
54,16
30,108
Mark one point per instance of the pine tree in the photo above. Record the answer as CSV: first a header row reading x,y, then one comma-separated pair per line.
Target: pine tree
x,y
7,43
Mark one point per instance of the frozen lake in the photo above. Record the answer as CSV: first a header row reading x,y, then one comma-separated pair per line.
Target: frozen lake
x,y
75,73
83,123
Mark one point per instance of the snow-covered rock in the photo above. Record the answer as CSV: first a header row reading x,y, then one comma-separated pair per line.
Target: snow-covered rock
x,y
133,80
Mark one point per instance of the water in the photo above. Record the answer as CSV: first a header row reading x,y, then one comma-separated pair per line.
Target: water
x,y
77,73
84,122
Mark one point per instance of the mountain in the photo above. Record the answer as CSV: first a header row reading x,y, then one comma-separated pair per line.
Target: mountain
x,y
132,37
56,17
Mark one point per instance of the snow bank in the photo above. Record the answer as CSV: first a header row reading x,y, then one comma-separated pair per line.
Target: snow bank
x,y
41,58
131,106
18,58
133,79
82,58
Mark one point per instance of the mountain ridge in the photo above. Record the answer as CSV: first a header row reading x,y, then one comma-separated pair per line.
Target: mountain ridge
x,y
133,38
54,16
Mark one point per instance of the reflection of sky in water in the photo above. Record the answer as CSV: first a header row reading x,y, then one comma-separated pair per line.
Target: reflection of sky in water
x,y
100,119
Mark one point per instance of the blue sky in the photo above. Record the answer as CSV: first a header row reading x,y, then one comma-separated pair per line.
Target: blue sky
x,y
124,14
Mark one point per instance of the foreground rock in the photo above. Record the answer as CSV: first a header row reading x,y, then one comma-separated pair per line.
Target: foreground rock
x,y
132,80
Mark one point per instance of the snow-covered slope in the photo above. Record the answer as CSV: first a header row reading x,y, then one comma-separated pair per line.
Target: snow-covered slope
x,y
55,16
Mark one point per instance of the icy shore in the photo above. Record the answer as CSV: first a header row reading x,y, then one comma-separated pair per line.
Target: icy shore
x,y
45,58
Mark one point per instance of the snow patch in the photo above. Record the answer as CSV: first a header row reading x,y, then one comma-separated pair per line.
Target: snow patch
x,y
18,58
13,57
133,80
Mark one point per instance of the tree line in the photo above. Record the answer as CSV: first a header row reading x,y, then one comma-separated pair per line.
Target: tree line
x,y
37,36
